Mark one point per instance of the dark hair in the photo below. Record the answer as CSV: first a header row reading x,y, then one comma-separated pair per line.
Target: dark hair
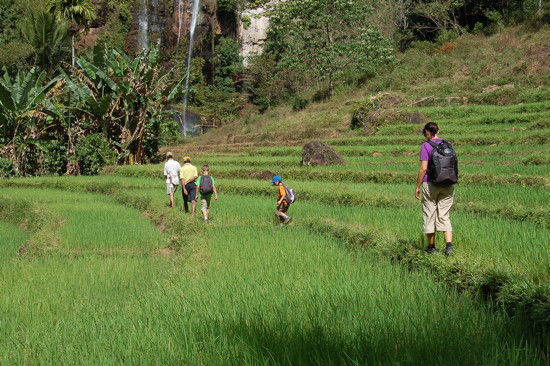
x,y
205,168
431,127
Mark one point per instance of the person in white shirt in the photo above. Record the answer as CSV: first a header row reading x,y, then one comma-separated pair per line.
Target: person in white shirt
x,y
171,171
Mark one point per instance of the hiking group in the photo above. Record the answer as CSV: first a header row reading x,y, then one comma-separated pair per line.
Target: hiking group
x,y
193,185
436,177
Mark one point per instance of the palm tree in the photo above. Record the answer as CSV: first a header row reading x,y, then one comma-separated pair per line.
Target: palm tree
x,y
78,13
45,35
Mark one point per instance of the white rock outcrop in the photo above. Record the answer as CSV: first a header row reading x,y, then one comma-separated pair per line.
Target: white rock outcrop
x,y
253,37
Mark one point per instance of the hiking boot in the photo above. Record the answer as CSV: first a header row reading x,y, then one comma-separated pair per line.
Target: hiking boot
x,y
449,250
431,250
287,220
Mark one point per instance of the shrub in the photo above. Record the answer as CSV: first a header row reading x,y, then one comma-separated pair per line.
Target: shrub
x,y
299,103
320,95
6,168
93,153
53,160
246,21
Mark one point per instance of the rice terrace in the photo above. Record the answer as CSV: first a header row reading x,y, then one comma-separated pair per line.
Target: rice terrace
x,y
96,267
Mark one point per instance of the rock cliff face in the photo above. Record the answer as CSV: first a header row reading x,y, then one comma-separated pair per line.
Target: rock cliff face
x,y
170,20
253,30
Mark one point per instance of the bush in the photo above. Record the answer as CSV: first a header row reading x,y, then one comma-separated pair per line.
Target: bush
x,y
246,21
320,95
299,103
93,153
54,158
496,22
446,36
6,168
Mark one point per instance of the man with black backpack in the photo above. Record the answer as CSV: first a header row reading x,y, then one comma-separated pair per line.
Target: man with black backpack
x,y
436,178
206,188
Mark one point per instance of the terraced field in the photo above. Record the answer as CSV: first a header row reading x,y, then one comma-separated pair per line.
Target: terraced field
x,y
98,270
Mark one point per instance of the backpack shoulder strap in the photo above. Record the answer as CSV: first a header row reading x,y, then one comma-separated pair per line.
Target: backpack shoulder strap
x,y
433,143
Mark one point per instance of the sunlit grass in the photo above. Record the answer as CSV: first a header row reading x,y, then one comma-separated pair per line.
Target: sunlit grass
x,y
11,239
264,295
93,222
243,291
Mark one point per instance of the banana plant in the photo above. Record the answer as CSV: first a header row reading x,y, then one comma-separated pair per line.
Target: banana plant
x,y
124,97
23,112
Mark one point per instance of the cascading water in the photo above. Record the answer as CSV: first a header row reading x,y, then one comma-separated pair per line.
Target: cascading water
x,y
180,20
143,25
194,16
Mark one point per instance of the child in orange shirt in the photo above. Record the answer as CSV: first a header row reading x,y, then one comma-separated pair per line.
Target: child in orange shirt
x,y
282,203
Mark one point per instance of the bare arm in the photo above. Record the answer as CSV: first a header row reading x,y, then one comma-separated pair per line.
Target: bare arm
x,y
421,173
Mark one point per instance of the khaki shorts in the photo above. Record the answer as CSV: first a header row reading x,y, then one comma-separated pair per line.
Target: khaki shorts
x,y
171,188
436,207
283,207
205,203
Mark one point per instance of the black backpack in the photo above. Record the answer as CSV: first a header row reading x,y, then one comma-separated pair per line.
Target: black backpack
x,y
290,195
206,186
443,166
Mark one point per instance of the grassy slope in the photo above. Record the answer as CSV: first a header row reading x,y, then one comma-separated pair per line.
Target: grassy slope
x,y
247,294
515,60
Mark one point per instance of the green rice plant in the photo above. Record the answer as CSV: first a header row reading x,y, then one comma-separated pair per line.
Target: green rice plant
x,y
495,241
11,239
266,286
41,224
513,202
262,295
457,112
451,129
394,150
539,136
94,223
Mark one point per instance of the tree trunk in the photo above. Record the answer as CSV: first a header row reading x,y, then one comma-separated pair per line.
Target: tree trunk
x,y
72,162
72,49
331,84
139,149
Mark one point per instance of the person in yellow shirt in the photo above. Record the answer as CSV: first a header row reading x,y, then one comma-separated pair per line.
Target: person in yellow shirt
x,y
188,175
282,203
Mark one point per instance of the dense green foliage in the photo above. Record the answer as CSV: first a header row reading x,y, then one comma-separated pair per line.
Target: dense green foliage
x,y
98,270
324,38
46,36
111,110
77,13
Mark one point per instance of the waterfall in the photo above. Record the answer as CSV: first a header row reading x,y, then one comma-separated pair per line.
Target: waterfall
x,y
195,14
143,25
180,20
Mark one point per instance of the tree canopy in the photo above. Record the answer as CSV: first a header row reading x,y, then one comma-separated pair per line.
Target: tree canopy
x,y
323,38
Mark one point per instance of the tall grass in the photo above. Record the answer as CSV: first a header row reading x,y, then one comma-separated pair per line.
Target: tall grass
x,y
258,295
11,239
92,222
